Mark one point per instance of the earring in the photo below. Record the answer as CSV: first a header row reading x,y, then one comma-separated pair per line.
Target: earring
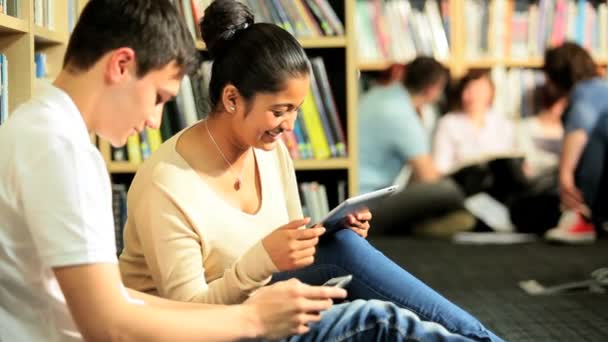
x,y
232,109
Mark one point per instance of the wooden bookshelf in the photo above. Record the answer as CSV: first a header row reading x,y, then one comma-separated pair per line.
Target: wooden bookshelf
x,y
43,35
326,164
310,43
10,24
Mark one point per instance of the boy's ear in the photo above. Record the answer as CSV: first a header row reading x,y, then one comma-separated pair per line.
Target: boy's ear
x,y
120,62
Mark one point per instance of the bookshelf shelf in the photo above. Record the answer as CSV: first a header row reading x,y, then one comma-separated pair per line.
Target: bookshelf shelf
x,y
122,167
374,66
43,35
9,24
327,164
307,43
323,42
382,65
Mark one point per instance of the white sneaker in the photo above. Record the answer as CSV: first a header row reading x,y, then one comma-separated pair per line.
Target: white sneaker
x,y
572,229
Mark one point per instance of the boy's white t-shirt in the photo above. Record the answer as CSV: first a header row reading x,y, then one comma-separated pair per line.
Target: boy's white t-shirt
x,y
55,210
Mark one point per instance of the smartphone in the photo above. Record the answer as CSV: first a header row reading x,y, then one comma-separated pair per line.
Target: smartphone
x,y
341,282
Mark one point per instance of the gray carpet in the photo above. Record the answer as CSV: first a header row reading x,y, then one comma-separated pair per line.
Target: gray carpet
x,y
483,280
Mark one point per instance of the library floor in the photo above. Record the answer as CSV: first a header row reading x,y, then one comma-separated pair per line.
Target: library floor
x,y
483,280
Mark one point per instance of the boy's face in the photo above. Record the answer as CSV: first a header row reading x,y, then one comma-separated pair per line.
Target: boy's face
x,y
136,103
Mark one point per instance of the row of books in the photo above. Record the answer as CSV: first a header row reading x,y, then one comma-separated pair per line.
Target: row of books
x,y
318,132
119,209
315,203
139,147
517,91
523,29
11,7
302,18
44,13
401,29
3,89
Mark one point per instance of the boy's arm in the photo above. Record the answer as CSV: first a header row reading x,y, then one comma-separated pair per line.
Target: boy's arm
x,y
574,144
103,312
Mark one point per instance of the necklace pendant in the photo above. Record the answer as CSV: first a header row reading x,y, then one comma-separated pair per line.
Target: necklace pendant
x,y
237,184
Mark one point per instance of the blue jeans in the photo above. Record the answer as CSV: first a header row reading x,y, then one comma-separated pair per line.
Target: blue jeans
x,y
374,321
591,169
377,277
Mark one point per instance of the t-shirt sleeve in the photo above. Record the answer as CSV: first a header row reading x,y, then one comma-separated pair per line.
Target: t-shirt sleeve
x,y
67,202
580,115
408,136
174,254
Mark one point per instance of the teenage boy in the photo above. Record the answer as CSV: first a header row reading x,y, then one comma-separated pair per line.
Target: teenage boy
x,y
58,267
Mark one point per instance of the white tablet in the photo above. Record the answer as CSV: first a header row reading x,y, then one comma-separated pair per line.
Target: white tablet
x,y
354,204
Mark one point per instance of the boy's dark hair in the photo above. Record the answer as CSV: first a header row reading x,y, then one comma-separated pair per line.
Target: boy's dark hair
x,y
568,64
153,29
423,72
253,57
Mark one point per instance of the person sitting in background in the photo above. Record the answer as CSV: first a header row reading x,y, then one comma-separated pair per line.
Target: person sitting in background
x,y
571,71
475,132
540,137
391,132
394,142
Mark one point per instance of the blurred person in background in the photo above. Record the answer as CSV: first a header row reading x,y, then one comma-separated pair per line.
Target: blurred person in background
x,y
571,71
474,132
394,143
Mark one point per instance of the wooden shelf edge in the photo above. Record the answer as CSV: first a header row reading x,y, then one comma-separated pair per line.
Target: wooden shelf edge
x,y
383,65
323,42
325,164
13,24
122,167
43,35
308,43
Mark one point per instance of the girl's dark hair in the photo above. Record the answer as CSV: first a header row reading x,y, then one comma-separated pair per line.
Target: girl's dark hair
x,y
153,29
254,58
567,64
470,76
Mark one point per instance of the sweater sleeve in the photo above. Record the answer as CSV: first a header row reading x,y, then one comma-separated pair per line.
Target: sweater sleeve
x,y
174,252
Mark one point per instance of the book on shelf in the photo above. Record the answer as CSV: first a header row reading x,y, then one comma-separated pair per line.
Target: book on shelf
x,y
517,91
315,201
119,209
11,7
44,13
3,89
522,29
72,14
399,30
318,131
40,59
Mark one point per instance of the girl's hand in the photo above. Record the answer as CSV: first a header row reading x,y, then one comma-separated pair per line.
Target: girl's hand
x,y
359,222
